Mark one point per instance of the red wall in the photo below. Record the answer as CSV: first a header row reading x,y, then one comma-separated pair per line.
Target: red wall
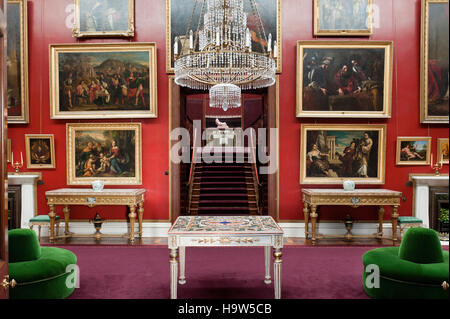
x,y
399,22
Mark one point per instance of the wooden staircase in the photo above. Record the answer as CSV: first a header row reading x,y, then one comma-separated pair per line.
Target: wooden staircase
x,y
224,189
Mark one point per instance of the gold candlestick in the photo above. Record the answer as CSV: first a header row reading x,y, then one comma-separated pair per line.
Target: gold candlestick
x,y
16,165
437,166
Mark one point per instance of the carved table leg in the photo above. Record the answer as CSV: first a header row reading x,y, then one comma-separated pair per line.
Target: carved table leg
x,y
277,254
380,221
182,252
306,214
132,216
66,211
394,223
313,222
52,215
140,217
267,278
173,273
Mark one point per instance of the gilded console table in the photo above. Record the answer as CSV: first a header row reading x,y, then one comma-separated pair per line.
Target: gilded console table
x,y
225,231
133,198
313,198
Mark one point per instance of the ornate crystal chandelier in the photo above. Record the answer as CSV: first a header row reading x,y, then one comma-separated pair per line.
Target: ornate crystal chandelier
x,y
220,56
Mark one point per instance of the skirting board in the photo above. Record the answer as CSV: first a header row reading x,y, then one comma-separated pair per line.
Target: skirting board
x,y
161,229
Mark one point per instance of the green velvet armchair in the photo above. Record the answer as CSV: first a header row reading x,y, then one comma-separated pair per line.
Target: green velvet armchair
x,y
418,269
39,272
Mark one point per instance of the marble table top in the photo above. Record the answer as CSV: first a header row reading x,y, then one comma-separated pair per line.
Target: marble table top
x,y
225,225
334,192
90,191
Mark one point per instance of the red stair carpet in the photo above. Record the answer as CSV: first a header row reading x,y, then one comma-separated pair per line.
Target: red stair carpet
x,y
224,189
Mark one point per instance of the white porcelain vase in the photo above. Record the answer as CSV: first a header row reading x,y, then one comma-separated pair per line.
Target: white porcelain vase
x,y
349,186
97,186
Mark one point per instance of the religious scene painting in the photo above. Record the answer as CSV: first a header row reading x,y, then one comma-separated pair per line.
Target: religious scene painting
x,y
344,79
343,17
413,150
179,13
104,18
107,151
434,62
103,81
442,150
40,150
17,62
331,154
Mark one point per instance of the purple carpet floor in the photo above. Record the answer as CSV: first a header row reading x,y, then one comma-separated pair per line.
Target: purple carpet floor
x,y
142,272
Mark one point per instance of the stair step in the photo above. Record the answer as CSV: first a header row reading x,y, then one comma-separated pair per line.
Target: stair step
x,y
245,195
214,191
224,166
213,172
224,202
226,208
223,183
222,177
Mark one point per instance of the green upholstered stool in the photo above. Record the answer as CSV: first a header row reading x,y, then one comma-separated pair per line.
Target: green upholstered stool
x,y
406,222
39,272
43,220
418,269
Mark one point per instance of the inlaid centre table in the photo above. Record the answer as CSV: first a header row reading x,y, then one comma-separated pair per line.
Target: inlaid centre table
x,y
132,198
225,231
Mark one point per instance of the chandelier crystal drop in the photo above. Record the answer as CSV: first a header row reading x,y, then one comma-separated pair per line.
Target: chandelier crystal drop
x,y
225,95
220,56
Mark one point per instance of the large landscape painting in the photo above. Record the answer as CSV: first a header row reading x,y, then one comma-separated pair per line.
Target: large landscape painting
x,y
331,154
103,81
108,152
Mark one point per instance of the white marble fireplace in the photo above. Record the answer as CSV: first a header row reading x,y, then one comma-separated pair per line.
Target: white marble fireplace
x,y
28,182
422,184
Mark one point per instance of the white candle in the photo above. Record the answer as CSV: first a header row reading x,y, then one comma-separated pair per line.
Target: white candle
x,y
217,39
431,160
21,159
275,49
12,158
175,46
248,40
191,40
269,43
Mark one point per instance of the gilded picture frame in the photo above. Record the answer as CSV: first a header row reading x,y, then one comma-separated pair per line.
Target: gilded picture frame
x,y
442,151
103,81
110,152
343,17
434,60
40,151
413,151
269,10
351,79
112,18
334,153
17,62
